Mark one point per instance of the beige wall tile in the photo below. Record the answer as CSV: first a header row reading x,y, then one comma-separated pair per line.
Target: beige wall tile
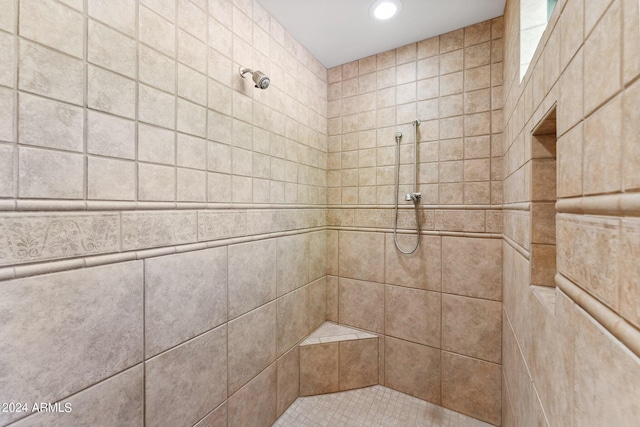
x,y
358,363
332,298
292,319
630,141
119,14
352,264
292,262
157,32
191,186
413,315
156,69
317,254
116,400
468,269
191,118
316,303
288,381
96,314
64,77
62,30
472,327
110,49
156,183
110,179
156,145
50,174
196,280
191,375
252,345
602,167
477,33
472,387
602,56
361,304
571,31
569,173
422,269
452,40
7,180
50,124
252,275
191,152
111,136
402,373
615,379
155,107
319,369
217,417
8,18
111,93
7,115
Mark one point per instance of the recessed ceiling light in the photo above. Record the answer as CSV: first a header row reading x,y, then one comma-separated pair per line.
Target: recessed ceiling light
x,y
382,10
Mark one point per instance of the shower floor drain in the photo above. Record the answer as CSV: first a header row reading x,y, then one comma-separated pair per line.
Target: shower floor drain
x,y
371,406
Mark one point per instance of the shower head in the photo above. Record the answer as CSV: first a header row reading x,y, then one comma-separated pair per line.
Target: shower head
x,y
398,137
259,78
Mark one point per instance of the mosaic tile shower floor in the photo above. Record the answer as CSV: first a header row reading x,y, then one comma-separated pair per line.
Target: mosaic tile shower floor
x,y
371,407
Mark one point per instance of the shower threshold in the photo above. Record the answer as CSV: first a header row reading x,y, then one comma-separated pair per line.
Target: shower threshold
x,y
371,406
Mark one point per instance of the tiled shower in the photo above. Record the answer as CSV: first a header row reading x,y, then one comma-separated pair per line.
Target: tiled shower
x,y
170,234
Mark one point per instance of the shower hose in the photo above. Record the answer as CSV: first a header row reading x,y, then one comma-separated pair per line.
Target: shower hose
x,y
415,197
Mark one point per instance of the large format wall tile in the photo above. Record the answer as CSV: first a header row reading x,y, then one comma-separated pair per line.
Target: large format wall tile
x,y
185,295
413,315
252,275
472,267
292,322
606,378
319,368
115,401
188,381
217,417
422,269
361,255
288,388
472,387
472,327
403,372
63,332
361,304
252,345
358,363
292,262
254,405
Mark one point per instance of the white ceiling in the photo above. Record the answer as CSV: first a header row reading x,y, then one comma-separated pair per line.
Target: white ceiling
x,y
341,31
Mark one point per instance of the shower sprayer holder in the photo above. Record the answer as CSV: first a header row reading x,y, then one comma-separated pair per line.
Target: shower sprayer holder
x,y
413,197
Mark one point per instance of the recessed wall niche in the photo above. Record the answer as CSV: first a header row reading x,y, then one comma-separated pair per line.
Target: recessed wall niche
x,y
543,201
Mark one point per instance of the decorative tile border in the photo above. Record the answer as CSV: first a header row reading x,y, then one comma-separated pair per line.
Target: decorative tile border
x,y
153,229
28,238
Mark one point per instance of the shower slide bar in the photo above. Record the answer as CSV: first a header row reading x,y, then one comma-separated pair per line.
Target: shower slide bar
x,y
415,196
